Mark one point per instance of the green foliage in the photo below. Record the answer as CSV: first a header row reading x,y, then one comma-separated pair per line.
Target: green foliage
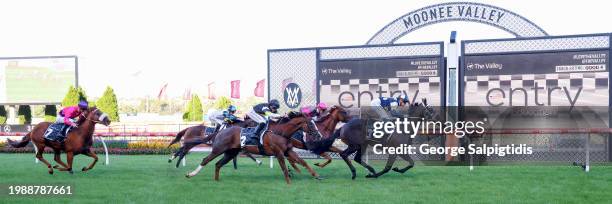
x,y
108,104
2,115
24,113
50,113
82,94
222,103
73,96
194,110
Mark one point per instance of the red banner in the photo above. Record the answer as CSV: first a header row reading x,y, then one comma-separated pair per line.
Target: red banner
x,y
162,92
259,89
235,89
286,81
211,90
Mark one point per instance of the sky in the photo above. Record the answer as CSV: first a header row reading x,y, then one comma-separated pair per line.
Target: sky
x,y
138,46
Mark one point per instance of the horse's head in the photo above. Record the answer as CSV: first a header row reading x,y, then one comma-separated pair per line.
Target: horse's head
x,y
97,116
301,122
421,110
339,114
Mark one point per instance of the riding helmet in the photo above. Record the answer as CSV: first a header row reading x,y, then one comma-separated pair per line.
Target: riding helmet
x,y
274,104
83,105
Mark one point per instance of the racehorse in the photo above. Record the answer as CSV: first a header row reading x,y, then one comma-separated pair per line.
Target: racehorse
x,y
194,136
353,134
276,142
78,141
326,126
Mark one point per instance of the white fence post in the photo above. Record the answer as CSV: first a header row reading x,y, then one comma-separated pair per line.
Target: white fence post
x,y
35,152
587,162
106,160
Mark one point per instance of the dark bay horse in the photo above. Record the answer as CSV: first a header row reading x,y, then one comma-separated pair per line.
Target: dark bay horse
x,y
276,142
194,136
78,141
353,134
326,126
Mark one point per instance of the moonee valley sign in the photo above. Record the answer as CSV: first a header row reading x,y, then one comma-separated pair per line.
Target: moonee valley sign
x,y
457,11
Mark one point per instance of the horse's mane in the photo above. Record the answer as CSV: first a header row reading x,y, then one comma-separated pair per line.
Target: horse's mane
x,y
291,115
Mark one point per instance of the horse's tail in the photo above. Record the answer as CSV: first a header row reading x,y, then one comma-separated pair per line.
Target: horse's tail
x,y
178,137
24,141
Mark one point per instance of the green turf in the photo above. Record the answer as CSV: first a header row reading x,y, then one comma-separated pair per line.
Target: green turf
x,y
149,179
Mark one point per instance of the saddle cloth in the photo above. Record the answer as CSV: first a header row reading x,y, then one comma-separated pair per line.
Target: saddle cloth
x,y
249,138
209,130
57,132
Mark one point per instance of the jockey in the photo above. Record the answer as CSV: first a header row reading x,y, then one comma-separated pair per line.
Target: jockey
x,y
228,115
69,114
261,112
218,118
385,106
314,112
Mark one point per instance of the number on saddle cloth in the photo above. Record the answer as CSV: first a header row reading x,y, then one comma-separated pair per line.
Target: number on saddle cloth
x,y
248,136
57,132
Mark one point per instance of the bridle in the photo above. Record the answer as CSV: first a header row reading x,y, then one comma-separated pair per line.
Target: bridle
x,y
100,119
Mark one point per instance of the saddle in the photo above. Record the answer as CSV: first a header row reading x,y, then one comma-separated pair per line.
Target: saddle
x,y
249,138
57,132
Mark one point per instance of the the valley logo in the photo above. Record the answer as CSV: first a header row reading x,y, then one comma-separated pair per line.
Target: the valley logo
x,y
292,95
492,65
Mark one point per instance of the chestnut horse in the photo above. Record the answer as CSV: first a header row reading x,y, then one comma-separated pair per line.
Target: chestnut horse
x,y
276,142
78,141
194,136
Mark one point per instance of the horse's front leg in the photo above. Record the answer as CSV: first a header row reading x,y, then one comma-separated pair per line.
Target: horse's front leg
x,y
58,159
70,158
388,166
328,160
94,156
410,164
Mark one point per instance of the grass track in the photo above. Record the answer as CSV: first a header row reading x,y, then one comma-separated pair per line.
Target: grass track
x,y
149,179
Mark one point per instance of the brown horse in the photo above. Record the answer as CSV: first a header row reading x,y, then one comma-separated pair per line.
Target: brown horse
x,y
194,136
276,142
326,126
78,140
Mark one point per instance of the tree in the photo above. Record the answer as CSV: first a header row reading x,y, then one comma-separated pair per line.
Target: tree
x,y
73,96
108,104
223,103
82,95
194,110
50,113
2,115
24,113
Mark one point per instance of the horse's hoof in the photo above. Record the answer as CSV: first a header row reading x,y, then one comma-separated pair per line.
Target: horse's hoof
x,y
319,178
51,172
71,172
56,166
371,176
259,163
397,170
353,177
84,169
169,160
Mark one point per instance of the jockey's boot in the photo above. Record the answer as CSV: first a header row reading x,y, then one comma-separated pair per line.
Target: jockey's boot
x,y
260,128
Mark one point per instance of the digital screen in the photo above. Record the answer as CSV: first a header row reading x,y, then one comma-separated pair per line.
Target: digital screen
x,y
36,80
